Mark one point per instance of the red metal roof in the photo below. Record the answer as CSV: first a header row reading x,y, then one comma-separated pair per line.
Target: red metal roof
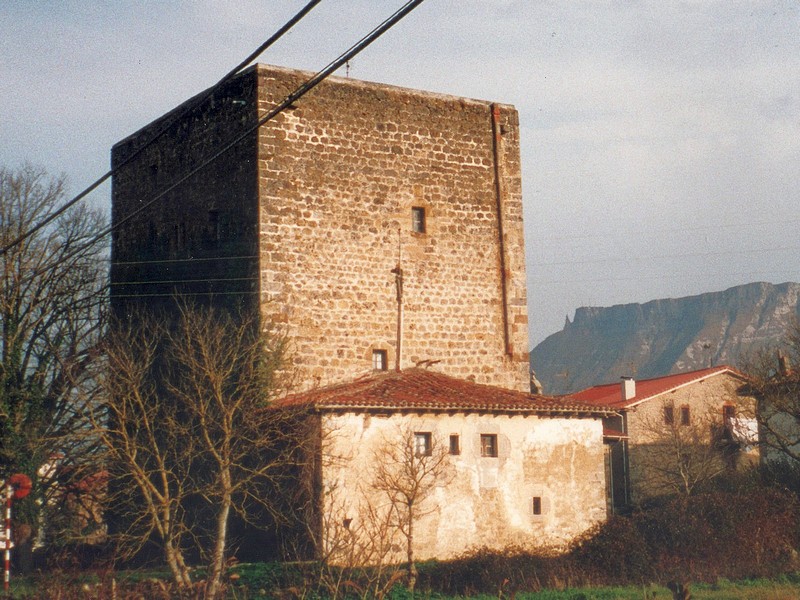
x,y
611,394
424,390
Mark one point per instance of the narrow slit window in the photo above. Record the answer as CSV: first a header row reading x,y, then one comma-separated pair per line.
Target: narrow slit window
x,y
669,415
455,446
537,505
418,224
685,416
379,362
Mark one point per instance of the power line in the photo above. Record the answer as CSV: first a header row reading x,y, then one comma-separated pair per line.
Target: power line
x,y
180,260
298,93
645,257
157,135
749,225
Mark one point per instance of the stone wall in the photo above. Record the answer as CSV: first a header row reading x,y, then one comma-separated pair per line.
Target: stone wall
x,y
338,177
654,444
198,240
476,501
308,218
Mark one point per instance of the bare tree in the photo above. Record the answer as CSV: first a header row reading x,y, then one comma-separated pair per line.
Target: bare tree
x,y
191,433
408,467
52,307
775,379
356,553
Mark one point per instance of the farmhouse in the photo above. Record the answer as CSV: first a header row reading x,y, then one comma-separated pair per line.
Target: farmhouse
x,y
674,433
485,466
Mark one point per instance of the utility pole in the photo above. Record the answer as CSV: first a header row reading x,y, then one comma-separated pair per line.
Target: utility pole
x,y
398,282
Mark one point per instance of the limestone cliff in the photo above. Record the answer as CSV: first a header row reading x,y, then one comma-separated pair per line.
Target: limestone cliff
x,y
663,336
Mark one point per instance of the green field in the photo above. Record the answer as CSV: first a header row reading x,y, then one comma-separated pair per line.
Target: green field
x,y
254,581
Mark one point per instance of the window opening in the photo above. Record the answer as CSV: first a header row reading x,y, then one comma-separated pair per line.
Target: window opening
x,y
379,362
669,415
455,447
489,444
537,505
418,219
685,416
729,412
422,443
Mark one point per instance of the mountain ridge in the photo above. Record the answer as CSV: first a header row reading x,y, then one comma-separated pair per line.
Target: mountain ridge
x,y
663,336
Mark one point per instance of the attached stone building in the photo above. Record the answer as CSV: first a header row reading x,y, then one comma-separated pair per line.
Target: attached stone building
x,y
316,217
509,468
675,432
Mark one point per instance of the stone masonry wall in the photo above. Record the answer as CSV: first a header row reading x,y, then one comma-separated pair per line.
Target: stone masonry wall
x,y
309,216
199,240
653,443
338,177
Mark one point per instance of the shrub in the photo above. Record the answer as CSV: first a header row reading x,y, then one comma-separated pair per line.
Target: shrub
x,y
613,552
734,535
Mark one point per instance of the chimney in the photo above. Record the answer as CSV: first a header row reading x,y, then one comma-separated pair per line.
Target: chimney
x,y
628,388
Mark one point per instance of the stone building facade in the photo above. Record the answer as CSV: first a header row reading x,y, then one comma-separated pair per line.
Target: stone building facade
x,y
675,434
312,217
484,466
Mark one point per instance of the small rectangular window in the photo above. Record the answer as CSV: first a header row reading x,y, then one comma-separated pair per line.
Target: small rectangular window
x,y
537,505
669,415
455,446
685,416
379,362
728,412
417,219
489,444
422,444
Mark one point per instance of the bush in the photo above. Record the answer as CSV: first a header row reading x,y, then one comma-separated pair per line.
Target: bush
x,y
498,572
734,535
751,532
613,553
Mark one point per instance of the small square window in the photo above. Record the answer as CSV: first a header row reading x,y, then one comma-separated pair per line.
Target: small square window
x,y
489,444
537,505
379,362
418,219
422,444
455,445
669,415
685,416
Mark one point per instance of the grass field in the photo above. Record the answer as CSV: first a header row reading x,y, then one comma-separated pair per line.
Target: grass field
x,y
253,582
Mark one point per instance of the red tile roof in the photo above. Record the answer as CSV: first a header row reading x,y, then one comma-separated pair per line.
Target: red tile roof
x,y
609,432
611,394
424,390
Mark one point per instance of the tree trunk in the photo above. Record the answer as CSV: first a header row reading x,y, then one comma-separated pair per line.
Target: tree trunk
x,y
218,557
412,568
176,564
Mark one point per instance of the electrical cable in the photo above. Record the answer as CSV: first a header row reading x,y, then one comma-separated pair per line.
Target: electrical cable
x,y
157,135
309,85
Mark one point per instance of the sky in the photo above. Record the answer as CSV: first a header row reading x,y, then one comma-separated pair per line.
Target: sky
x,y
660,140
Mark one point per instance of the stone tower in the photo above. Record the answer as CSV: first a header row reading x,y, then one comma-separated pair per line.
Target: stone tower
x,y
361,206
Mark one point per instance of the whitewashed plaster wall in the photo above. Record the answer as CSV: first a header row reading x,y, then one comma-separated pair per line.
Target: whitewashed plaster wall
x,y
478,501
